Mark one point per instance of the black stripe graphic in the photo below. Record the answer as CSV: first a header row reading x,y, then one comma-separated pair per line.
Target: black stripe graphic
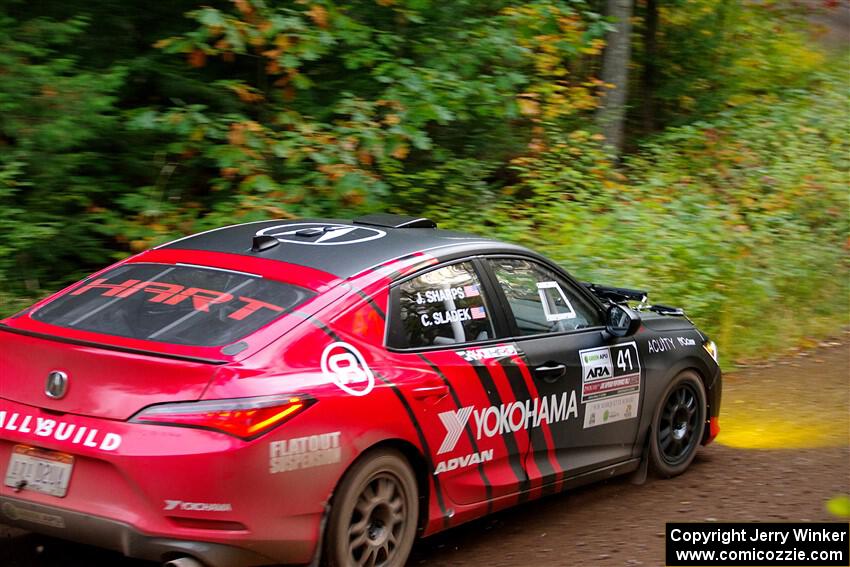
x,y
515,457
540,449
372,304
488,488
422,441
419,433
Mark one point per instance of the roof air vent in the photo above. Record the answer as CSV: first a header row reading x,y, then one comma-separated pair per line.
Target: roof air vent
x,y
263,242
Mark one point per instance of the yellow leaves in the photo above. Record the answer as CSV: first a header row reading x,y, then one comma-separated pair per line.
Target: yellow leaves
x,y
595,47
246,93
401,151
139,245
528,104
335,171
244,7
319,15
282,41
163,43
236,134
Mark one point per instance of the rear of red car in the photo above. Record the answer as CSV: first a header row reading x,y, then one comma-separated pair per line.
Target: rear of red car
x,y
133,415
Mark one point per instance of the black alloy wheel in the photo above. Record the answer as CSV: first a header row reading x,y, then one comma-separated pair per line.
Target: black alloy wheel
x,y
678,425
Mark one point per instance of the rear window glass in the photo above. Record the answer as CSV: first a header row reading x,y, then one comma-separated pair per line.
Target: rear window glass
x,y
176,304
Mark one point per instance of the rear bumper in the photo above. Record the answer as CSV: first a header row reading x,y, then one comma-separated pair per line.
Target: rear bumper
x,y
165,492
117,536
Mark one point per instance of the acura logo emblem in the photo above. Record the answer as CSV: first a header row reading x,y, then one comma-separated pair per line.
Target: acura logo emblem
x,y
322,234
57,385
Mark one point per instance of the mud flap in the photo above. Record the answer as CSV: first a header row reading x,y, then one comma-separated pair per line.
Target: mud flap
x,y
317,557
639,476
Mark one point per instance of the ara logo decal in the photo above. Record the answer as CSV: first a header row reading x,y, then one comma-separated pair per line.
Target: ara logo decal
x,y
322,234
507,418
598,372
343,364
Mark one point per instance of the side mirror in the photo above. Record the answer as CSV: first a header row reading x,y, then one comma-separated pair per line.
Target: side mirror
x,y
621,321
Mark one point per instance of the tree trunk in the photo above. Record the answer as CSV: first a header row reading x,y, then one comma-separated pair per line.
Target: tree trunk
x,y
650,68
615,71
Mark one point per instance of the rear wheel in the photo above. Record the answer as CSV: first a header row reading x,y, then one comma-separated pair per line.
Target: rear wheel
x,y
374,513
678,425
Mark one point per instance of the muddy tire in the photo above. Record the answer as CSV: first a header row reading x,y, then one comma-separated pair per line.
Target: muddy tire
x,y
678,425
374,513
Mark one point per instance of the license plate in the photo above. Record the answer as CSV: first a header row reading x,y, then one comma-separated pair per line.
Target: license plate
x,y
38,470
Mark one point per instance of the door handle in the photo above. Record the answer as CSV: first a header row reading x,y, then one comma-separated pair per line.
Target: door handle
x,y
550,372
423,392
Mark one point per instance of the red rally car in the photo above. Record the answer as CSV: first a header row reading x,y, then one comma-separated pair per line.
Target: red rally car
x,y
327,391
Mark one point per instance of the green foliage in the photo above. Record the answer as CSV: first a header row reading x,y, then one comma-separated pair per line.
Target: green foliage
x,y
54,118
743,221
716,53
124,124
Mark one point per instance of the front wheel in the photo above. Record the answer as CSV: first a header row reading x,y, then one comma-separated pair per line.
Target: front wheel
x,y
374,513
678,424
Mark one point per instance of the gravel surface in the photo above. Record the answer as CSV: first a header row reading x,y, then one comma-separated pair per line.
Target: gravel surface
x,y
748,475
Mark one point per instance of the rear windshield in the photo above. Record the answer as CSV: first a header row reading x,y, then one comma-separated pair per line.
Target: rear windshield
x,y
186,305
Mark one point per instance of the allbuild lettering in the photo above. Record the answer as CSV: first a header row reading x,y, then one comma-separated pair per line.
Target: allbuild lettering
x,y
174,294
59,431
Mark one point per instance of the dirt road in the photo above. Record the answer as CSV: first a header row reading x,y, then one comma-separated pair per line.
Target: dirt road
x,y
783,452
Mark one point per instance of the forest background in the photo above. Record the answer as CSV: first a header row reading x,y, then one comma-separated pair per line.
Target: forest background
x,y
695,148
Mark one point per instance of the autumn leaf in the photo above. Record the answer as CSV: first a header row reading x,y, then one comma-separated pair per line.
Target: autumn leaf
x,y
197,58
527,104
319,15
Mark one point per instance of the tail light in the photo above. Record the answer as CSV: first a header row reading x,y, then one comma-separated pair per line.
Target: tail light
x,y
246,418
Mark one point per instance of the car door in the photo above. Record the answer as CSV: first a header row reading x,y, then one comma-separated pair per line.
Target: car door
x,y
443,326
573,362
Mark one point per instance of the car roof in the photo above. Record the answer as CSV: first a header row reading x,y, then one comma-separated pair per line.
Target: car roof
x,y
340,247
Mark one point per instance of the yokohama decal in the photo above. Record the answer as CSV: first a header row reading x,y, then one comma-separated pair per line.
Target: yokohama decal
x,y
508,418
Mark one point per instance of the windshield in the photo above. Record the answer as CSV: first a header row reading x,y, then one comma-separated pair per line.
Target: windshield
x,y
178,304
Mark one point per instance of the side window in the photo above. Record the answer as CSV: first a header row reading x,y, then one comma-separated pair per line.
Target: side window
x,y
540,300
442,307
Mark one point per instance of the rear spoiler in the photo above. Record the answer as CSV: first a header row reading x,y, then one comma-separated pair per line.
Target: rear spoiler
x,y
80,342
616,294
611,294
